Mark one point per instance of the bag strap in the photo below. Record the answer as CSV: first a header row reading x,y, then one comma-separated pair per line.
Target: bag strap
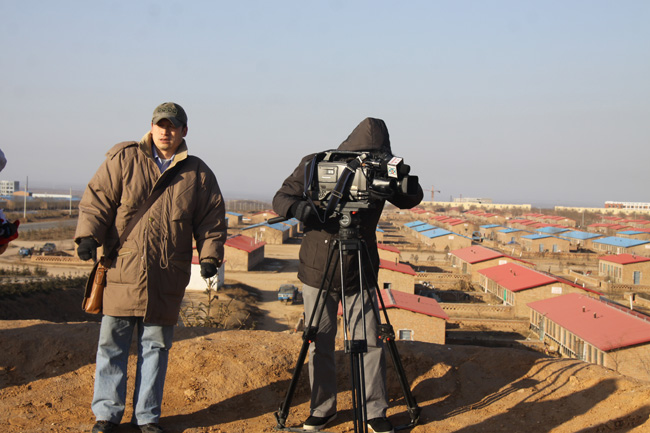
x,y
167,177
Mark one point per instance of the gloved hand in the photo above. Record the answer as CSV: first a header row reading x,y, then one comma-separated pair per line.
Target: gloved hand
x,y
8,229
208,269
87,248
302,211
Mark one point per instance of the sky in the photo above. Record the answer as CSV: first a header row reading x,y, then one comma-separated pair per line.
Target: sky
x,y
540,102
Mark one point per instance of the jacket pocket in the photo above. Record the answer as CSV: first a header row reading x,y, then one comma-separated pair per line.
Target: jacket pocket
x,y
178,277
127,268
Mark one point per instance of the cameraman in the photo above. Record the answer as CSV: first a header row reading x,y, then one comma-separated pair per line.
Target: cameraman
x,y
370,135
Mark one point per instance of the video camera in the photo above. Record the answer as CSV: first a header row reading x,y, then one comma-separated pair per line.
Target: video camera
x,y
362,177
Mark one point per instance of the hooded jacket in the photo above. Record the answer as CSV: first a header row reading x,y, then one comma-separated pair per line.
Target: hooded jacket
x,y
370,135
152,268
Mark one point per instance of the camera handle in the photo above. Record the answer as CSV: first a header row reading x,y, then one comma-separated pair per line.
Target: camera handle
x,y
350,242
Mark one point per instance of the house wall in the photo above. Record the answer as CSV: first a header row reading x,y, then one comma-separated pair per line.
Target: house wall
x,y
624,274
261,217
490,233
267,234
520,298
398,281
388,255
424,328
447,242
642,250
505,238
550,244
235,259
632,361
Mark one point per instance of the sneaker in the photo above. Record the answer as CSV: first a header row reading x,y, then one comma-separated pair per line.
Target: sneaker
x,y
104,427
380,425
150,428
314,423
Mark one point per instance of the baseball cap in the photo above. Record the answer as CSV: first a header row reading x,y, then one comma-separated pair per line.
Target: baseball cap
x,y
171,111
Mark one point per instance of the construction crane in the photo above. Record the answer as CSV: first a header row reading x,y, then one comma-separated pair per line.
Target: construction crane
x,y
433,190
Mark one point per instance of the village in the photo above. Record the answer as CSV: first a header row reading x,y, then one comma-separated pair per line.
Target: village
x,y
475,277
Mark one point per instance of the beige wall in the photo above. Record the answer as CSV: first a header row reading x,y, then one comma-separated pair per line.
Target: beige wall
x,y
520,299
240,260
266,234
562,245
424,328
624,274
447,242
388,255
472,269
398,281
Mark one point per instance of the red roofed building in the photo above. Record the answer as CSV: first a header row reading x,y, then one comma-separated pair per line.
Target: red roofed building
x,y
595,331
472,259
518,285
242,253
396,276
625,269
415,318
388,252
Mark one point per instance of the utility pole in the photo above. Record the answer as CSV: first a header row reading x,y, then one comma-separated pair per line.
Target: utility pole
x,y
25,199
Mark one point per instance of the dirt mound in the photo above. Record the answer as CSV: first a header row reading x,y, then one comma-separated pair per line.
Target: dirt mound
x,y
233,381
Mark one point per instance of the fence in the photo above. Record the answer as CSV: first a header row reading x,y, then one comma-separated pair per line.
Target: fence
x,y
67,260
478,311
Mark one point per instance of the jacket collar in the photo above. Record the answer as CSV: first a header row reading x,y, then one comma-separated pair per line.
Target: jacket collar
x,y
146,143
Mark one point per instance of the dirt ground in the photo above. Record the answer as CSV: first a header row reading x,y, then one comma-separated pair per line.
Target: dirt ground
x,y
234,381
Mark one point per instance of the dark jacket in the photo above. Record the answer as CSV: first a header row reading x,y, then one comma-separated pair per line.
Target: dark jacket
x,y
371,134
152,269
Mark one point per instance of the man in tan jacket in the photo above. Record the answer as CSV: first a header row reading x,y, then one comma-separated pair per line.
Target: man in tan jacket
x,y
146,281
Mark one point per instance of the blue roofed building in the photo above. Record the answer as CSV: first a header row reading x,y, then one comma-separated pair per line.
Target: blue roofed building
x,y
580,240
510,235
550,230
618,245
488,231
544,243
634,234
412,224
272,234
444,240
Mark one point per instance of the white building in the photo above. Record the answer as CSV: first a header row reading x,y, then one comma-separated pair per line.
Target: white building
x,y
8,187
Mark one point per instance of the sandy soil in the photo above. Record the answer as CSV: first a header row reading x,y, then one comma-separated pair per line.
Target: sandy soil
x,y
234,381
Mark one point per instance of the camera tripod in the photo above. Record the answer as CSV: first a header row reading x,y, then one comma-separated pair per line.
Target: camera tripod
x,y
349,242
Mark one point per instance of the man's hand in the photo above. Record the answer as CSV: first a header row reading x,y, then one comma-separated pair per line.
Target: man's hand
x,y
208,269
8,229
302,211
87,248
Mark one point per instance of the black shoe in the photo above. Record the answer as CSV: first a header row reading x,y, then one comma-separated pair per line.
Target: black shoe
x,y
150,428
380,425
314,423
104,427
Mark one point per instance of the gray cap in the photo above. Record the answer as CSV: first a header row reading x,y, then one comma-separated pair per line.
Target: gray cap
x,y
171,111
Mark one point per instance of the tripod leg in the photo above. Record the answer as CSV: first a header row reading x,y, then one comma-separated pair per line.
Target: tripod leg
x,y
387,334
308,337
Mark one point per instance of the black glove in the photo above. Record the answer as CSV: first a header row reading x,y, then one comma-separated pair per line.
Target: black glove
x,y
302,211
7,230
208,269
87,248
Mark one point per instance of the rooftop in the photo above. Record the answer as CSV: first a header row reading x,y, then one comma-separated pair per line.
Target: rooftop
x,y
600,324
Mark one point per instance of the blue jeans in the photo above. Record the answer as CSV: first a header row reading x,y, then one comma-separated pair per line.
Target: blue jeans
x,y
154,342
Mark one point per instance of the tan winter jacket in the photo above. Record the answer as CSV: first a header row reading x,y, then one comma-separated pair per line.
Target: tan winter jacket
x,y
152,269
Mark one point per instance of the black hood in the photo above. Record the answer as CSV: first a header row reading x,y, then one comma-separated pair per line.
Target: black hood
x,y
370,134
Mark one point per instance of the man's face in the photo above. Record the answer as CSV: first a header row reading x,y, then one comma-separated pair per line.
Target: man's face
x,y
167,137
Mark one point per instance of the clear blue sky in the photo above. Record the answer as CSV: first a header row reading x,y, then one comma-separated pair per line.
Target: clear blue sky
x,y
543,102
